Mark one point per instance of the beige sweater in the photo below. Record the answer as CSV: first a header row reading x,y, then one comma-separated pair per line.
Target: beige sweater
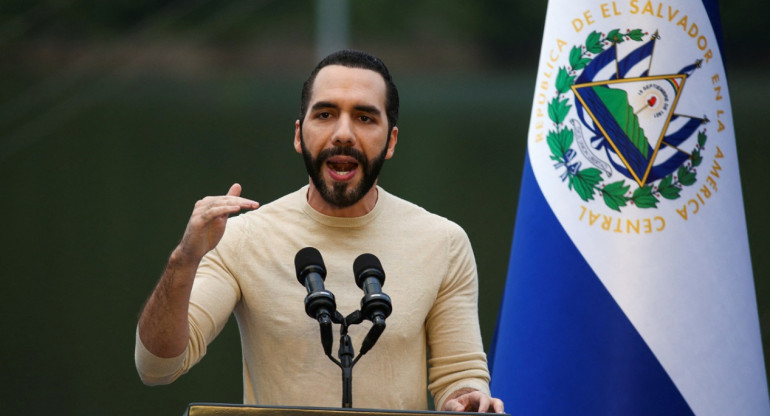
x,y
430,277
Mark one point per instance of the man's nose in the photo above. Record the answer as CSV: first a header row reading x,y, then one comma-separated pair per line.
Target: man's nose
x,y
343,133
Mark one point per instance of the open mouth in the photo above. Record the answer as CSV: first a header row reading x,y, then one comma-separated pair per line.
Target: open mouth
x,y
342,169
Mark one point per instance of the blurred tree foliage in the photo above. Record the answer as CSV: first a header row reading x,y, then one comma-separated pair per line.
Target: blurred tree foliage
x,y
504,31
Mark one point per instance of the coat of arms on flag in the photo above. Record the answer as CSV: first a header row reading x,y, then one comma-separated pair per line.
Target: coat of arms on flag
x,y
626,122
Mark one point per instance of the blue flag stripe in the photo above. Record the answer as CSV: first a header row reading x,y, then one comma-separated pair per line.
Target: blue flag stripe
x,y
562,344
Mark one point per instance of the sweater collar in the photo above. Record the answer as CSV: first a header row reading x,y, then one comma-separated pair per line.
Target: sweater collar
x,y
382,200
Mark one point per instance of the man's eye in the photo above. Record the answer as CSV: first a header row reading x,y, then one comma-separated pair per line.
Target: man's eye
x,y
365,119
324,115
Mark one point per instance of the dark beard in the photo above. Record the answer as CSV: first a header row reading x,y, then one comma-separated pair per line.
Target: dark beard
x,y
338,194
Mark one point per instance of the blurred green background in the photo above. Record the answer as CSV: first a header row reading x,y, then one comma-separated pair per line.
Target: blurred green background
x,y
115,117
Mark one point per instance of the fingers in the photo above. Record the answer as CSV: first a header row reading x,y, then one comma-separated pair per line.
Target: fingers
x,y
208,220
483,404
243,203
207,207
465,403
478,403
453,406
490,405
235,190
497,405
232,200
474,402
218,212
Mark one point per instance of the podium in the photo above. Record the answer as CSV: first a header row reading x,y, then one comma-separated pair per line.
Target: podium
x,y
217,409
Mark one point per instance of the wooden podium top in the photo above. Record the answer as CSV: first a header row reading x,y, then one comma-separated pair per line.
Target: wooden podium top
x,y
217,409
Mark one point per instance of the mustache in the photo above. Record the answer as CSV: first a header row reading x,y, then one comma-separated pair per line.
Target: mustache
x,y
342,151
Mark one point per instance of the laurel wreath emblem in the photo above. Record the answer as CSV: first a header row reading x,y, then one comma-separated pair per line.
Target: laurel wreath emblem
x,y
589,181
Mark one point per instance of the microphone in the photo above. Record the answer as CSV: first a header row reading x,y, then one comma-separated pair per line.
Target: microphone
x,y
370,277
375,305
319,302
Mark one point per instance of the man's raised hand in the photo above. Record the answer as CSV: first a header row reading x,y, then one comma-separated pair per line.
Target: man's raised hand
x,y
208,221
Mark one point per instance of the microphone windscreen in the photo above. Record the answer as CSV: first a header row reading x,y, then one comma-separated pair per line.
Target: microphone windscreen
x,y
308,256
364,262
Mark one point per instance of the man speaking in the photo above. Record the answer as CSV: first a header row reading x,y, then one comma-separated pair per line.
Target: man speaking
x,y
245,265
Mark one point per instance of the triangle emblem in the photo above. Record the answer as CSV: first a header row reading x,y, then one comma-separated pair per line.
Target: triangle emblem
x,y
633,114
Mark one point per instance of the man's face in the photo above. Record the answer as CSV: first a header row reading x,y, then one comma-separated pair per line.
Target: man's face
x,y
344,137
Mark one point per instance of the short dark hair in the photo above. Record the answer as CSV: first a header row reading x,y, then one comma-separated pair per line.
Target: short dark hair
x,y
355,59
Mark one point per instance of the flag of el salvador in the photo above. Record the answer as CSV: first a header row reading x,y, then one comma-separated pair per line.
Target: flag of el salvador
x,y
629,288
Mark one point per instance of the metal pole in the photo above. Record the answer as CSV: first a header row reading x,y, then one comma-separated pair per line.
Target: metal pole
x,y
332,26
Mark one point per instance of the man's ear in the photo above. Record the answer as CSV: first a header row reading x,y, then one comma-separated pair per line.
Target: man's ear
x,y
392,143
297,137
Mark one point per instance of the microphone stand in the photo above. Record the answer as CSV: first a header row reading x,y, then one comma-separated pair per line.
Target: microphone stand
x,y
320,305
346,354
346,351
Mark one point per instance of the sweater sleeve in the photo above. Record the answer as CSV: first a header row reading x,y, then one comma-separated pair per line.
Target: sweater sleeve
x,y
457,358
214,295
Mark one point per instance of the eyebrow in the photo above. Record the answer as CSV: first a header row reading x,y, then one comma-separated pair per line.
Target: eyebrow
x,y
364,108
